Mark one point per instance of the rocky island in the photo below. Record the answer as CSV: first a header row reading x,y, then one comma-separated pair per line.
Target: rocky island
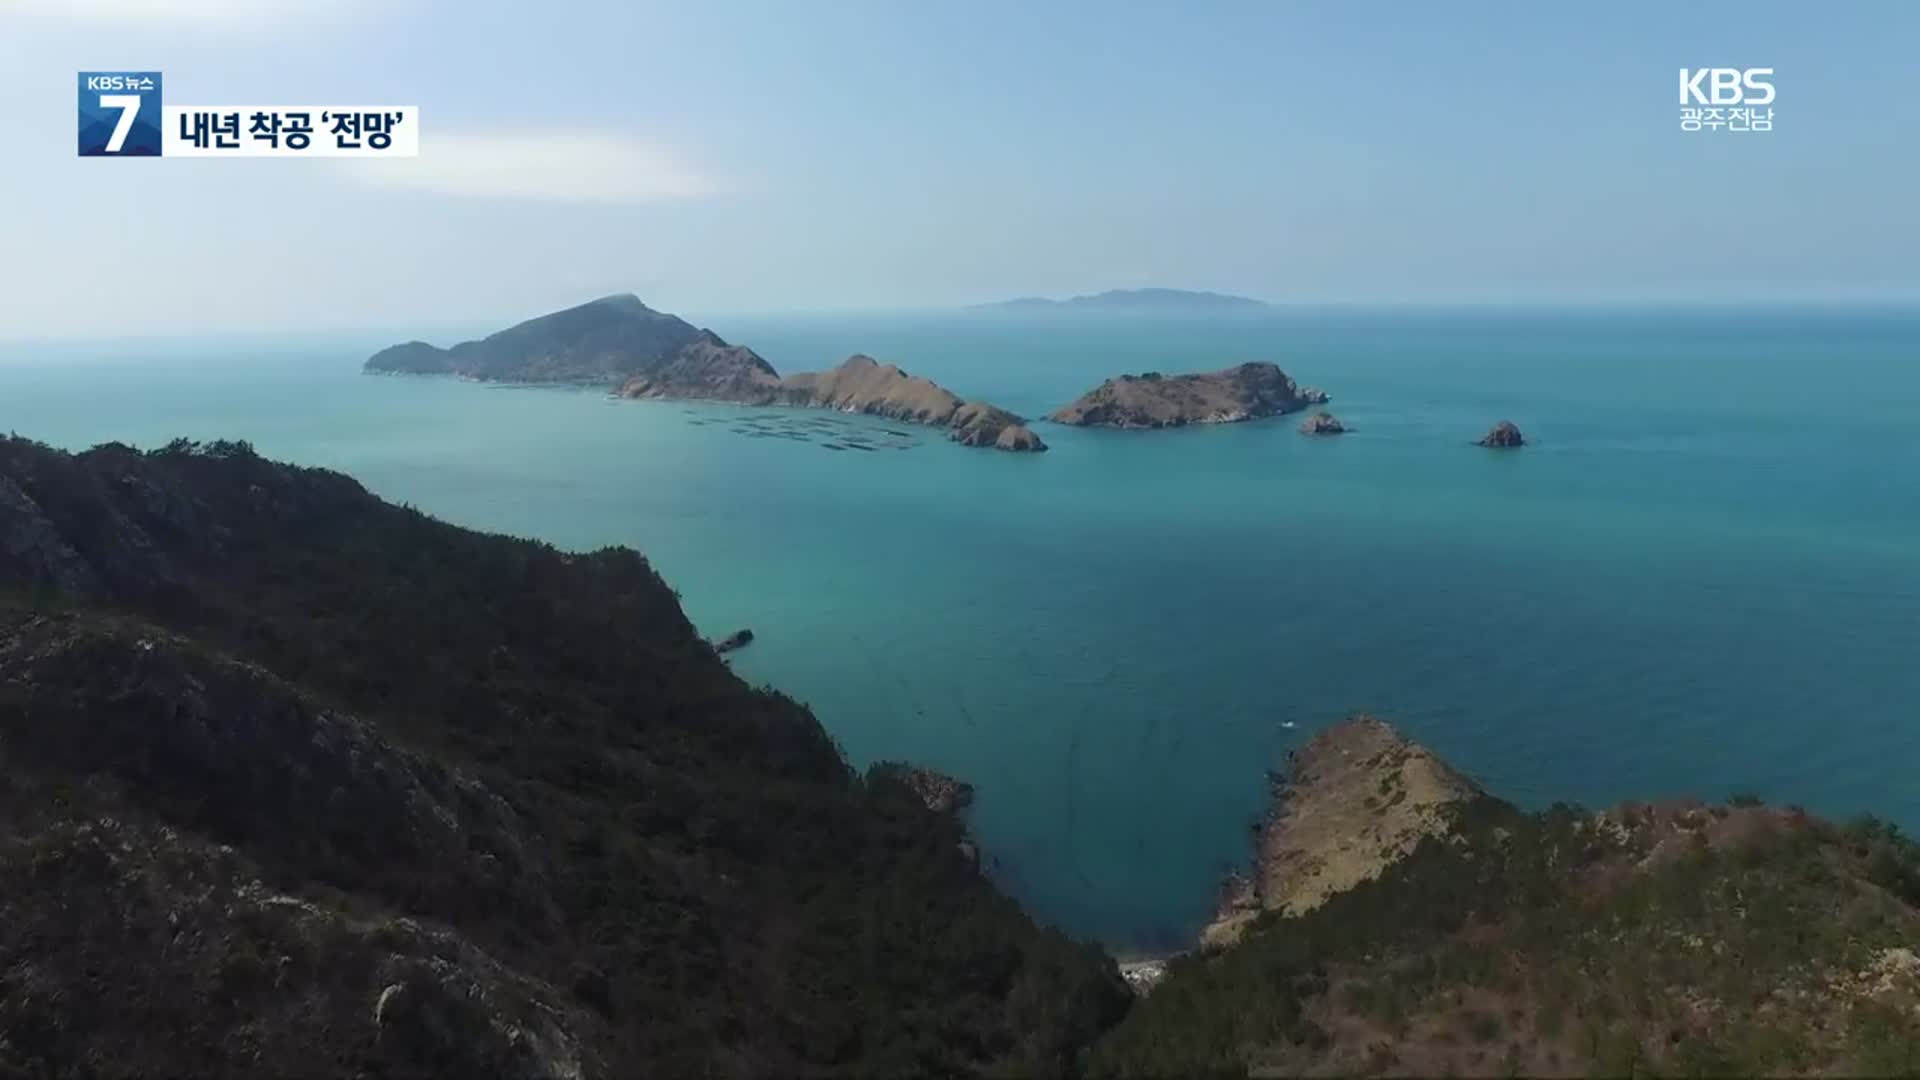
x,y
1323,423
1504,436
621,343
1245,392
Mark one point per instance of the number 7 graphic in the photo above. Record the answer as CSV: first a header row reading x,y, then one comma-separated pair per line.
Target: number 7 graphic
x,y
129,106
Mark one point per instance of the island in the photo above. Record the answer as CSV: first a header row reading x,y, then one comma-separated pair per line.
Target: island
x,y
1246,392
1504,436
637,352
1168,301
1323,423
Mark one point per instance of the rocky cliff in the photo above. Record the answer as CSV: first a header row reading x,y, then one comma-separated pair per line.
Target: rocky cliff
x,y
1354,800
1246,392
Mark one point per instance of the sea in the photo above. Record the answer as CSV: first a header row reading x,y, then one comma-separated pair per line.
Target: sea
x,y
1701,578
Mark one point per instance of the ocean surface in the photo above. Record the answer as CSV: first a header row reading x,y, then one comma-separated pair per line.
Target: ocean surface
x,y
1703,578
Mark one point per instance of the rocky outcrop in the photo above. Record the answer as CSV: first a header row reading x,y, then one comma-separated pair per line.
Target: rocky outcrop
x,y
1356,798
1323,424
1153,400
1504,436
859,385
739,639
942,793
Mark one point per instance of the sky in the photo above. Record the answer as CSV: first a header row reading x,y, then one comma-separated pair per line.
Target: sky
x,y
834,155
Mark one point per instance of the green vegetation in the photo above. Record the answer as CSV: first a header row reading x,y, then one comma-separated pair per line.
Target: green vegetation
x,y
1699,941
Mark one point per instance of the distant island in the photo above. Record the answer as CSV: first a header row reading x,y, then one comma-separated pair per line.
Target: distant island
x,y
621,343
1246,392
1140,300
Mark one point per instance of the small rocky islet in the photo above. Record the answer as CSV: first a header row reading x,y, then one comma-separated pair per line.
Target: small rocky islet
x,y
1323,423
1504,436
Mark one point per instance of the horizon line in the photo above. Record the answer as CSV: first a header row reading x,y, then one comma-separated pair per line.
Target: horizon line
x,y
990,310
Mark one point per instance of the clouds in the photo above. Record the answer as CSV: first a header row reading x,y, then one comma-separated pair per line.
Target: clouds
x,y
552,166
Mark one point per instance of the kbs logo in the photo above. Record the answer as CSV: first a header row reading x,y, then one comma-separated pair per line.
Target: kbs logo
x,y
119,114
1725,86
1726,99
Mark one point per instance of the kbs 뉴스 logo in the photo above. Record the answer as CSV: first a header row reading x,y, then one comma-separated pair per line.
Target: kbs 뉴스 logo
x,y
1726,99
121,115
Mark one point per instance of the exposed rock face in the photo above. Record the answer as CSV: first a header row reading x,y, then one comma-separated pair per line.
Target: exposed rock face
x,y
1323,424
1358,796
942,793
860,385
1504,436
1153,400
599,342
1143,975
739,639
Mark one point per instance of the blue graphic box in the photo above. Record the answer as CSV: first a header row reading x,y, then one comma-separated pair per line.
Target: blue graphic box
x,y
119,114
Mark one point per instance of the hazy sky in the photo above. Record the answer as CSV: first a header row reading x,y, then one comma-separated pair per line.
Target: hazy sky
x,y
728,157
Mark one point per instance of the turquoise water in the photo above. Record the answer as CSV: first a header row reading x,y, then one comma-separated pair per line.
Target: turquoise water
x,y
1705,577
